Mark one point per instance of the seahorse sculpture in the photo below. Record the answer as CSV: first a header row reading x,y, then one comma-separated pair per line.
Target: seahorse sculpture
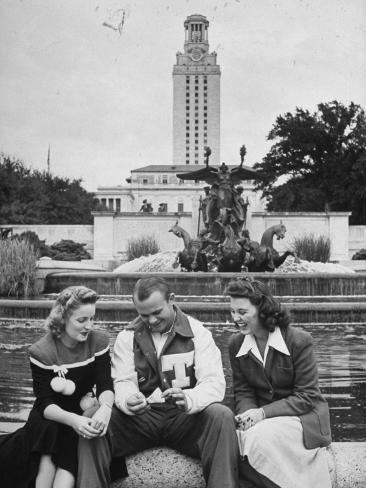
x,y
190,258
263,256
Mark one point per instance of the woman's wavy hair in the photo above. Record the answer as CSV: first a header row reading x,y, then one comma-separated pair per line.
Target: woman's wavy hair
x,y
67,302
270,312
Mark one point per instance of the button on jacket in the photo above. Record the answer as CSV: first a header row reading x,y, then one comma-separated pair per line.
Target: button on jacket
x,y
287,384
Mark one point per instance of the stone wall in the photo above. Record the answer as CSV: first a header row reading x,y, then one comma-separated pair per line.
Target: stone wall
x,y
333,225
357,239
112,231
296,224
54,233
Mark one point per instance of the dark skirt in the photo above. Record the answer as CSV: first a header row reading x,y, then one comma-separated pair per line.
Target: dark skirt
x,y
20,451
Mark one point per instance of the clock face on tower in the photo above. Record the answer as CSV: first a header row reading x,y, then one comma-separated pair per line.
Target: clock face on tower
x,y
196,55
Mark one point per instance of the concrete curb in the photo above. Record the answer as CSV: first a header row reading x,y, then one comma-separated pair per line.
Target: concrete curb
x,y
349,459
166,468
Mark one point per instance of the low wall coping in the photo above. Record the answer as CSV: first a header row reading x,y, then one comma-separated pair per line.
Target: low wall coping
x,y
126,303
109,213
201,276
302,214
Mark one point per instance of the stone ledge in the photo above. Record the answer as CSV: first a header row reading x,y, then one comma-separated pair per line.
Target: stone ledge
x,y
166,468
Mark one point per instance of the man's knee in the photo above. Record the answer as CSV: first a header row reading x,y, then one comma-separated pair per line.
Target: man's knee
x,y
85,447
99,447
219,413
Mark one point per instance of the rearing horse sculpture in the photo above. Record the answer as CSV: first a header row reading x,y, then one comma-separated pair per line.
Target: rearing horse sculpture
x,y
190,258
263,256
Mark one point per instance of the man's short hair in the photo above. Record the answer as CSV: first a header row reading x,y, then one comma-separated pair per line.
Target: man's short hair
x,y
144,287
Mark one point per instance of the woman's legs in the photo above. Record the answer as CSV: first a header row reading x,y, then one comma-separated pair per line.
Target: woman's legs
x,y
49,476
63,479
46,472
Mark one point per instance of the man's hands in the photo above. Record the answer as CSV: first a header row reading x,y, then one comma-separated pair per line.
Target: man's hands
x,y
176,396
246,420
137,403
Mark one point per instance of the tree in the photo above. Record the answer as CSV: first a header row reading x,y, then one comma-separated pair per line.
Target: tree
x,y
317,161
35,197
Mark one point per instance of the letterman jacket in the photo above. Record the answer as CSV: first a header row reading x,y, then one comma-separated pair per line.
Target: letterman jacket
x,y
189,360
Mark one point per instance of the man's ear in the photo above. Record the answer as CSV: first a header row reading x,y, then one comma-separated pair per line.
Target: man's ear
x,y
171,297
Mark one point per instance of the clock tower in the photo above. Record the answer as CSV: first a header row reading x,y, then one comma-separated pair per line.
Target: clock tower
x,y
196,97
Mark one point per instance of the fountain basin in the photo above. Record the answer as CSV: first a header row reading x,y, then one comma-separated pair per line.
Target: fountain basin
x,y
206,311
203,284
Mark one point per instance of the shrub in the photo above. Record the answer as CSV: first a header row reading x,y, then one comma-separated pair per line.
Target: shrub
x,y
68,250
312,248
40,247
141,246
361,255
18,261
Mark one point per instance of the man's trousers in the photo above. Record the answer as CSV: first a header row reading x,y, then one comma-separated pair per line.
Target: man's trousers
x,y
208,435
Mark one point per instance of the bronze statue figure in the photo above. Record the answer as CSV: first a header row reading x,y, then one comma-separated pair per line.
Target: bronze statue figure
x,y
222,181
224,243
191,258
263,256
224,194
230,253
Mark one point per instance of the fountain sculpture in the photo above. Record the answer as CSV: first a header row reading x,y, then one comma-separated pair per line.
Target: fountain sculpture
x,y
224,243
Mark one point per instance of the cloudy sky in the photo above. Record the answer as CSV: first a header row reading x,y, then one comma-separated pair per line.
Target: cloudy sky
x,y
103,100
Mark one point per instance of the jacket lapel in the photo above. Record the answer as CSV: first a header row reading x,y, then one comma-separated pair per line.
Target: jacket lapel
x,y
181,326
144,340
269,360
260,371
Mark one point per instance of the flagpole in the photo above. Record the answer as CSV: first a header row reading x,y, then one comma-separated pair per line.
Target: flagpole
x,y
48,159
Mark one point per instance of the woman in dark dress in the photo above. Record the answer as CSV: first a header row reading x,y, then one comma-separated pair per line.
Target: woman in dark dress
x,y
282,418
68,364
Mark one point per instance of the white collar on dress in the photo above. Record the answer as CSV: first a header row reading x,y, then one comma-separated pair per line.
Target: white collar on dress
x,y
275,340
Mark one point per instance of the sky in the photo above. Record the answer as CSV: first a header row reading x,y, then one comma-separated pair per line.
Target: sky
x,y
102,99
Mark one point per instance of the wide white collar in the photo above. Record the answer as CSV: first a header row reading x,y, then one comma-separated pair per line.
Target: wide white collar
x,y
275,340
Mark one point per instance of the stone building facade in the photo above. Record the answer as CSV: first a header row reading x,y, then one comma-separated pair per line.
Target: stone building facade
x,y
158,184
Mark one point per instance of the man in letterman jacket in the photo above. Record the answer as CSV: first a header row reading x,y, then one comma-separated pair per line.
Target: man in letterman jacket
x,y
168,380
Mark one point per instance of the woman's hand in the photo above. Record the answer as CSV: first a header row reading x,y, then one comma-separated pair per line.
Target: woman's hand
x,y
249,418
84,426
101,419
